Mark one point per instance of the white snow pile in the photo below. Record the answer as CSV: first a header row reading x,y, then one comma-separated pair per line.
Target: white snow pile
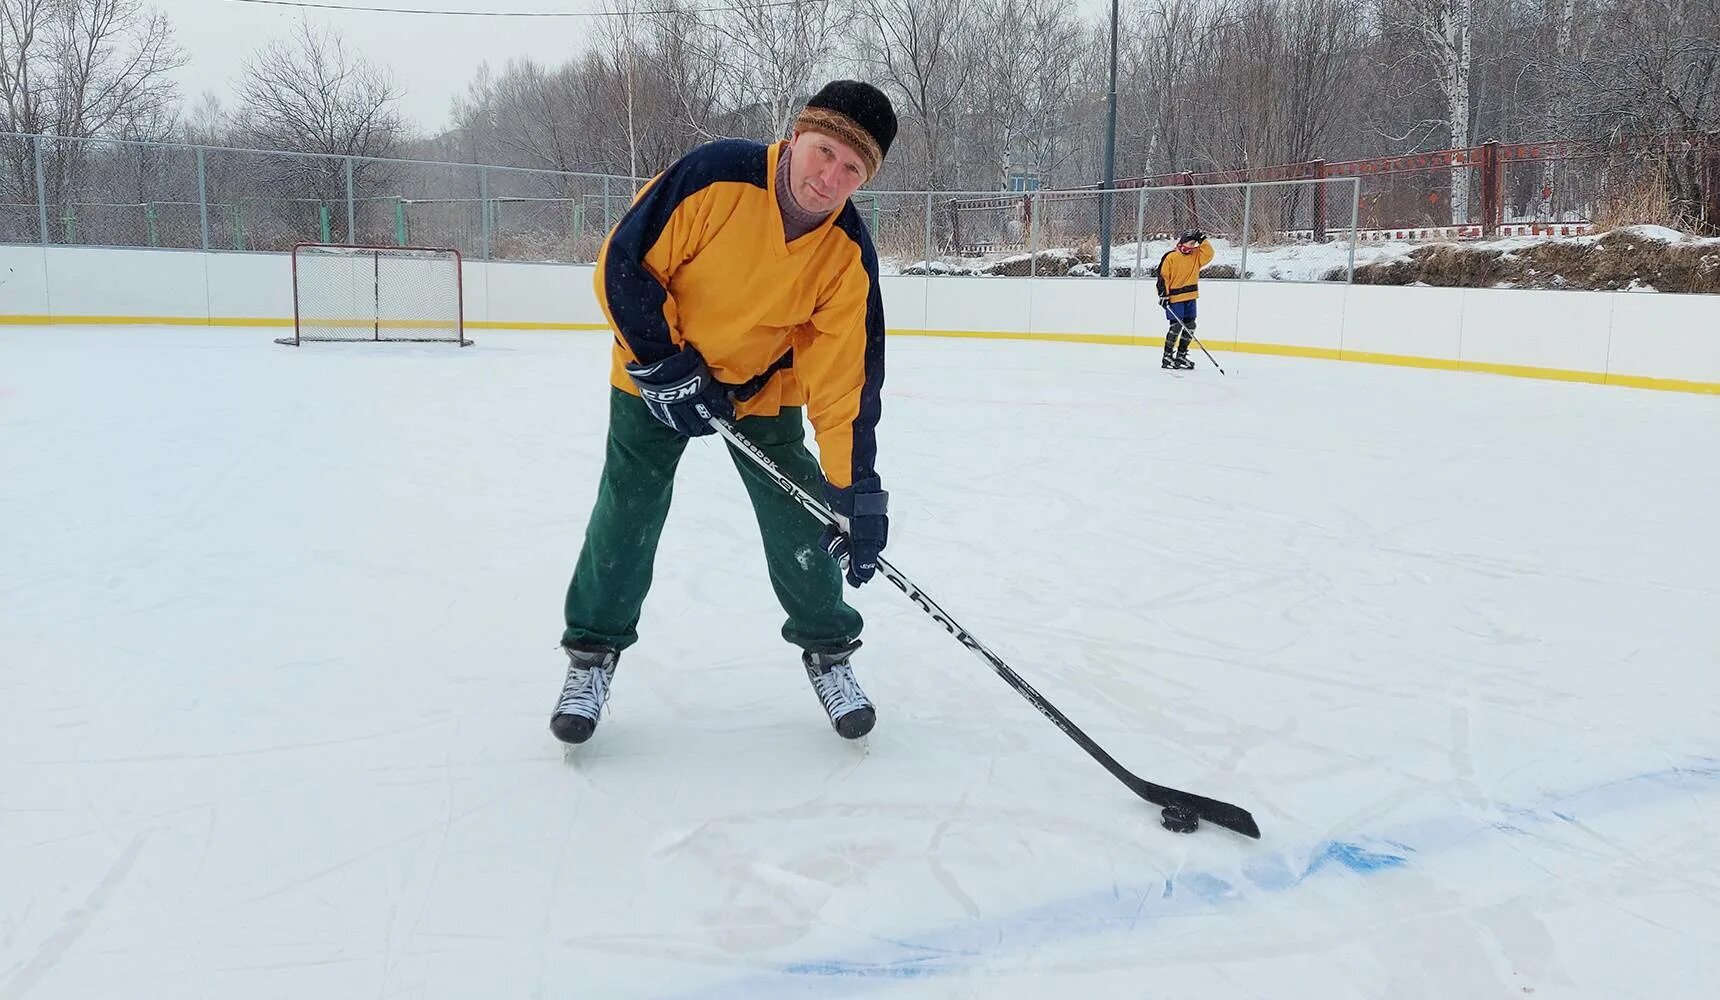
x,y
1667,259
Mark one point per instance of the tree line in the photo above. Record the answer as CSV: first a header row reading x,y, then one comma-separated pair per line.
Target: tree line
x,y
986,90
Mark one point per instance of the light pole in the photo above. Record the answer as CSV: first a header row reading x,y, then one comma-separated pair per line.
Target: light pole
x,y
1110,156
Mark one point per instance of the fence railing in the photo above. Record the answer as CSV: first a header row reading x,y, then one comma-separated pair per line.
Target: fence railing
x,y
1506,187
121,193
1055,233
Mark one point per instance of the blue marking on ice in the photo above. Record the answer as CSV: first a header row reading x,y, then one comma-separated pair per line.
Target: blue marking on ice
x,y
961,947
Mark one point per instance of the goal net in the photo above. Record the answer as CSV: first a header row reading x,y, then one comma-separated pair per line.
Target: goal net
x,y
376,293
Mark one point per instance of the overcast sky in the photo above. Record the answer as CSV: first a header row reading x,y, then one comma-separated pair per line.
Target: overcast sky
x,y
432,58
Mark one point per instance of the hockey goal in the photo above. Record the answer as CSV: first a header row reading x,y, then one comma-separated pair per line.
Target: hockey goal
x,y
351,293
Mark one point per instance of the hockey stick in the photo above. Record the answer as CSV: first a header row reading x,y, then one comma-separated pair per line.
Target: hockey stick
x,y
1174,318
1182,811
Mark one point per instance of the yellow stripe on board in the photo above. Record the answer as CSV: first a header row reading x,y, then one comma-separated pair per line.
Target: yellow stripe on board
x,y
1364,357
1068,338
1240,347
59,320
271,321
502,325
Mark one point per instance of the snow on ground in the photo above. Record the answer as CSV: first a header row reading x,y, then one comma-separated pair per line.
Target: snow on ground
x,y
1291,261
277,652
1283,262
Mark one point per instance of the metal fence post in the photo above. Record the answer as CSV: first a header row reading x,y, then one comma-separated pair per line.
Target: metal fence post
x,y
1711,181
1140,229
41,193
1247,224
351,213
203,197
1319,201
1355,224
926,261
484,209
606,224
1036,208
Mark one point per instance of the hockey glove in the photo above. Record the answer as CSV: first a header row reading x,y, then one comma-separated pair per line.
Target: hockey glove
x,y
681,391
865,505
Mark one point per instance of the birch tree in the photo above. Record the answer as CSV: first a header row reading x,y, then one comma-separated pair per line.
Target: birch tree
x,y
914,50
1445,28
773,50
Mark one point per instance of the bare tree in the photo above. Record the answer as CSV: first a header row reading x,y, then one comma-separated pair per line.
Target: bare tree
x,y
1657,66
307,93
915,49
770,50
1444,31
79,68
1156,116
84,67
1025,74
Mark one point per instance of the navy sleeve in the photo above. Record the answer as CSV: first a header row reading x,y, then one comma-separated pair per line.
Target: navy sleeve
x,y
865,454
634,295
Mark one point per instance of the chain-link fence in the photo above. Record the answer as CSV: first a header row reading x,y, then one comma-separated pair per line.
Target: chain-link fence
x,y
1276,230
101,192
120,193
20,201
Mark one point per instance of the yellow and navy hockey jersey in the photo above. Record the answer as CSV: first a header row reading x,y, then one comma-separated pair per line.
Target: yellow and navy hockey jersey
x,y
700,258
1179,273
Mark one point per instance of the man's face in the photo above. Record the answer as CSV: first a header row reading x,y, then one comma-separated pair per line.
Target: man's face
x,y
1186,247
823,171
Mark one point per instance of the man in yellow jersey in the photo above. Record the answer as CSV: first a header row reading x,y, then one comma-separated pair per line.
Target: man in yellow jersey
x,y
742,284
1179,287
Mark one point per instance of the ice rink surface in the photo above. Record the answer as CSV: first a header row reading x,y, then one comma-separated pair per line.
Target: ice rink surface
x,y
278,648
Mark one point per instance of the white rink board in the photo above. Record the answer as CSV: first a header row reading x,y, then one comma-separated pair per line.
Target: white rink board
x,y
1409,322
248,285
1647,335
1291,313
535,293
986,305
87,281
23,281
904,301
1077,305
1538,328
1659,332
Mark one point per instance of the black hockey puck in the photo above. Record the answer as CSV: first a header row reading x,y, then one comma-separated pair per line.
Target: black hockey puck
x,y
1180,819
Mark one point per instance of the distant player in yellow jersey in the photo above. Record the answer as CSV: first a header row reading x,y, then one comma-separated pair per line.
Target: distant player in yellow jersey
x,y
1179,288
742,284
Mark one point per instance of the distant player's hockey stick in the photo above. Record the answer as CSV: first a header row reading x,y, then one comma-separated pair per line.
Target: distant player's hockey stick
x,y
1182,811
1174,318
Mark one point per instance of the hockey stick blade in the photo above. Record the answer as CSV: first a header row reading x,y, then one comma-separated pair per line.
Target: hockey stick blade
x,y
1218,813
1215,811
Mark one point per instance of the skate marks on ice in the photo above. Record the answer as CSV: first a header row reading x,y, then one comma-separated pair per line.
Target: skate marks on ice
x,y
970,947
73,925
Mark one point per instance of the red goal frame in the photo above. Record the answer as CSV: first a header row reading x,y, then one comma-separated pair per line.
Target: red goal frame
x,y
376,251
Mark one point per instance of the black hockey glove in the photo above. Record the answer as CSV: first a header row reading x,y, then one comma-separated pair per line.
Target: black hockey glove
x,y
865,505
681,392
